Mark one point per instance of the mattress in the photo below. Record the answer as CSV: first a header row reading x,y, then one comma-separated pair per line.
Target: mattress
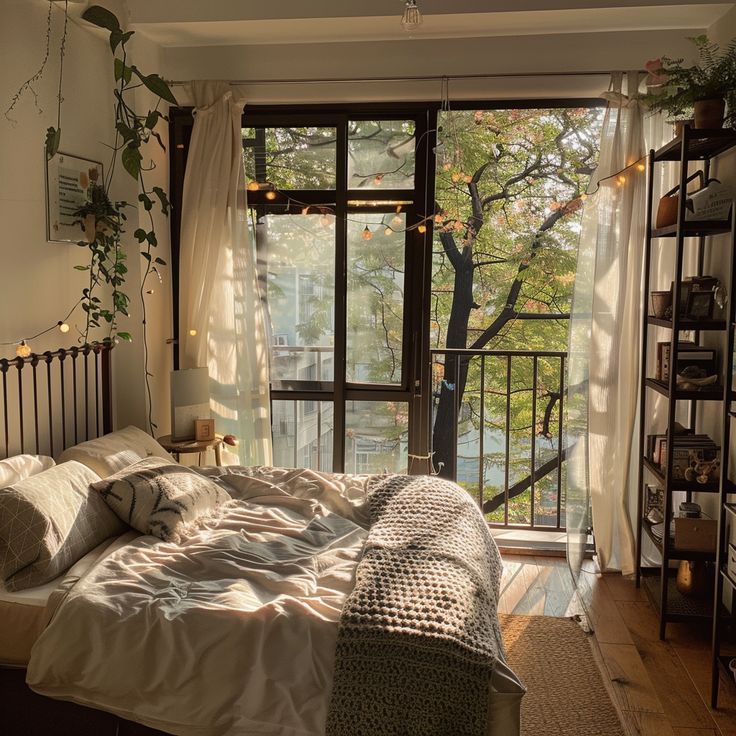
x,y
25,613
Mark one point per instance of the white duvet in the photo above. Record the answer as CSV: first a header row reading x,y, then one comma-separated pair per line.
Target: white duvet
x,y
232,631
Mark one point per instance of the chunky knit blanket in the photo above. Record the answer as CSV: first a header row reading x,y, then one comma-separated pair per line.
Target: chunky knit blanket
x,y
419,635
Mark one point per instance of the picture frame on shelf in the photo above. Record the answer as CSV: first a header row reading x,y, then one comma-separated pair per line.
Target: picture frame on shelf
x,y
700,304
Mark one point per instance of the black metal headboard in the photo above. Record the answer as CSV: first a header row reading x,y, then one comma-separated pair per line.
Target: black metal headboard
x,y
53,400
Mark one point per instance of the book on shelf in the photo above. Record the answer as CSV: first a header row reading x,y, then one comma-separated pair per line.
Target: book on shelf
x,y
688,354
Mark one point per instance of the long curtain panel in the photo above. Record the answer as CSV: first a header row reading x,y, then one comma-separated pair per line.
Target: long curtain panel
x,y
221,318
605,338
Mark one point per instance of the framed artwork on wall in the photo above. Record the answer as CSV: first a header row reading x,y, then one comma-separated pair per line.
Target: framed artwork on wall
x,y
67,180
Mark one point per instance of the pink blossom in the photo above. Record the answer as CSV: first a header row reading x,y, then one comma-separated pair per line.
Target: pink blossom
x,y
657,75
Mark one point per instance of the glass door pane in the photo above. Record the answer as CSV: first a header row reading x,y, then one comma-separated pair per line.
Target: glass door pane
x,y
299,251
375,297
376,436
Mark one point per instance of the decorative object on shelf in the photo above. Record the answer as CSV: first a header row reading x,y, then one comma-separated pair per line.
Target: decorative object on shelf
x,y
694,578
654,501
190,400
68,179
703,88
711,202
231,440
693,378
661,302
700,305
669,203
689,355
695,534
696,457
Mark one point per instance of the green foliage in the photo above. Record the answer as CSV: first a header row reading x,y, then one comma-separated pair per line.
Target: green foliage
x,y
103,220
714,76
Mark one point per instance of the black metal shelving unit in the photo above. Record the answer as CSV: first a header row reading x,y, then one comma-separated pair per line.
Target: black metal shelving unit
x,y
691,146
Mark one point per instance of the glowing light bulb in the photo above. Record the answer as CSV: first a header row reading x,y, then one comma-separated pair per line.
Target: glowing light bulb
x,y
388,231
23,349
438,217
193,333
640,167
397,217
377,179
422,229
253,186
305,211
467,178
325,219
621,180
583,197
367,234
455,177
63,327
270,194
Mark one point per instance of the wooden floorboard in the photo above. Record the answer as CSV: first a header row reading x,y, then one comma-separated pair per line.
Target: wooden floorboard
x,y
661,688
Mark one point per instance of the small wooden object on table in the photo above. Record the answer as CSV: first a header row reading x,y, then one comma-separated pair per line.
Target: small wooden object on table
x,y
186,447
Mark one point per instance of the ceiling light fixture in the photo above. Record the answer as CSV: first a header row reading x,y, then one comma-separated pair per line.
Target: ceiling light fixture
x,y
412,18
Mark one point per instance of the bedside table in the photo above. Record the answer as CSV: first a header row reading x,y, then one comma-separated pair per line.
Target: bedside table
x,y
189,447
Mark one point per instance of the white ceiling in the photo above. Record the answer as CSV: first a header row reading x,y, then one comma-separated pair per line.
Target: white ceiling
x,y
237,22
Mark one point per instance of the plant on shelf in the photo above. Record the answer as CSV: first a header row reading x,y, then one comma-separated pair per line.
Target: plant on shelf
x,y
707,88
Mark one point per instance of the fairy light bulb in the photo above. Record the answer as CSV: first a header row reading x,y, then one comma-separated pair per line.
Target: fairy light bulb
x,y
467,178
193,333
366,234
422,228
377,179
388,231
397,217
438,218
640,167
305,211
583,197
253,186
325,219
23,349
270,194
63,327
455,178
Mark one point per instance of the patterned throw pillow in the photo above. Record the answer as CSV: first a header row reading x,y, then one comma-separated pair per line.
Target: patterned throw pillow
x,y
160,497
48,522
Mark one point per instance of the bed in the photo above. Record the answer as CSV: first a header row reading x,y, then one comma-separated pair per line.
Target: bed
x,y
261,617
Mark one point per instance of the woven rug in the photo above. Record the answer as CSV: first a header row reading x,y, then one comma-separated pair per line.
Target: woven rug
x,y
565,695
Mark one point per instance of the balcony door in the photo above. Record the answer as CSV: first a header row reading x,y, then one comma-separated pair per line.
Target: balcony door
x,y
335,203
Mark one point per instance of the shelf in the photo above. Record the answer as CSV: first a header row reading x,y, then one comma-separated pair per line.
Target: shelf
x,y
694,229
674,553
680,485
702,144
705,394
698,325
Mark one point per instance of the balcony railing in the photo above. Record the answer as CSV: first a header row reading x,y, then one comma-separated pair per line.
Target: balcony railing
x,y
497,431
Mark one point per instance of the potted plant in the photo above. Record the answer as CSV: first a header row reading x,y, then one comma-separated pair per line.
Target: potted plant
x,y
707,88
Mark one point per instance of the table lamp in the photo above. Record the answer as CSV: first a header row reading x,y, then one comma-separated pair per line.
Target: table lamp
x,y
190,400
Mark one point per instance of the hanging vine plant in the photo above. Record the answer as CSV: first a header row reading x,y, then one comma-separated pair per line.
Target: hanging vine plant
x,y
101,218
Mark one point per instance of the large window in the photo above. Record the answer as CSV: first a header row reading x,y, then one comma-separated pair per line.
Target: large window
x,y
334,204
418,265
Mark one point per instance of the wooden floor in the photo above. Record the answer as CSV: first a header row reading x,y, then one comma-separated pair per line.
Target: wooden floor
x,y
661,688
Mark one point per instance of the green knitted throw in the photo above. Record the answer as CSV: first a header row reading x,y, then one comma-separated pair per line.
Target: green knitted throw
x,y
419,634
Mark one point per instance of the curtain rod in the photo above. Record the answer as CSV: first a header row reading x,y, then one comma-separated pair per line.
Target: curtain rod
x,y
433,78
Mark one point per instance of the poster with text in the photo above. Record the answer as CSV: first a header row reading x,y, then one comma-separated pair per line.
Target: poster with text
x,y
68,179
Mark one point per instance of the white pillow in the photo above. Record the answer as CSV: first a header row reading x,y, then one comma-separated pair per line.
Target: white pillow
x,y
18,468
115,451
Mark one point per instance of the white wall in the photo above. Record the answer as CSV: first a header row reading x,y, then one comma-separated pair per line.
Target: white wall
x,y
38,283
427,57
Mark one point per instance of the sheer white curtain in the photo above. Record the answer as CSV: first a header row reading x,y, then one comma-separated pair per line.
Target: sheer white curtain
x,y
605,338
221,316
